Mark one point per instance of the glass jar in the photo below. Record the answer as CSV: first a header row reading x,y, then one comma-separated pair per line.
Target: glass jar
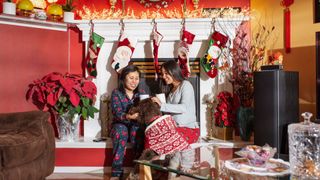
x,y
304,148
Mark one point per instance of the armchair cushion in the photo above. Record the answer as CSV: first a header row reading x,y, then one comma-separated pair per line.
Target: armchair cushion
x,y
27,146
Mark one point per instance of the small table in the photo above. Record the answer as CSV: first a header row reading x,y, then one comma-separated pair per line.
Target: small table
x,y
206,165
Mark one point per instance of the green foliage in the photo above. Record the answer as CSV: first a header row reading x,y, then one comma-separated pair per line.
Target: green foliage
x,y
68,6
85,109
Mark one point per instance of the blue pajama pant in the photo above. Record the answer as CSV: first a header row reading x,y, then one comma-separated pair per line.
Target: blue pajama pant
x,y
120,135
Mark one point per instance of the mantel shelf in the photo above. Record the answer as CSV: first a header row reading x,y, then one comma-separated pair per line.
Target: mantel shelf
x,y
33,23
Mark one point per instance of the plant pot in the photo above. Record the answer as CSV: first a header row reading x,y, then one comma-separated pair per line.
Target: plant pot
x,y
68,127
225,133
68,16
9,8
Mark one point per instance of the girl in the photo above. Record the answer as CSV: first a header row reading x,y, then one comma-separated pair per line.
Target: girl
x,y
124,126
181,105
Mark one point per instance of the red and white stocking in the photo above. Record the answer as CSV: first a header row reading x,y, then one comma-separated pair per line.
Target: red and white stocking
x,y
209,61
124,52
157,37
183,52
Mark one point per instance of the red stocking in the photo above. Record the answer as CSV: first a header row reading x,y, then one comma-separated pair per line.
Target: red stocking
x,y
157,37
183,52
124,52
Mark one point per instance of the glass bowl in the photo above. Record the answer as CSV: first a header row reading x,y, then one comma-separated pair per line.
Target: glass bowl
x,y
257,156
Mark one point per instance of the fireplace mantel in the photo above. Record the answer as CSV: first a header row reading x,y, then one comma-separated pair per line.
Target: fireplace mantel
x,y
169,28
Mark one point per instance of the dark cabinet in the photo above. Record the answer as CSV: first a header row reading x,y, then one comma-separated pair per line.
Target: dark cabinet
x,y
276,105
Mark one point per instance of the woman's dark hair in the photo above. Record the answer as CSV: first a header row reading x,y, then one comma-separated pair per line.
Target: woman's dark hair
x,y
128,69
173,70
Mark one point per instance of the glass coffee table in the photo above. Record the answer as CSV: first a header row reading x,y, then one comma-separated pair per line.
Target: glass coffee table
x,y
207,162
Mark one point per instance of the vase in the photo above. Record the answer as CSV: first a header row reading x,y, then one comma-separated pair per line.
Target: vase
x,y
68,127
224,133
68,16
245,122
9,8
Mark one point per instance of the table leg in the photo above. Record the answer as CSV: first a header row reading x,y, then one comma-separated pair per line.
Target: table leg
x,y
145,172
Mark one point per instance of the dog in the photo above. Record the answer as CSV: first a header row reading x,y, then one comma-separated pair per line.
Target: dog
x,y
161,137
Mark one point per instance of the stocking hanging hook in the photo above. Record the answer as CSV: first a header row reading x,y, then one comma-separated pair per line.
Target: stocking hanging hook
x,y
91,26
121,23
213,23
183,23
154,23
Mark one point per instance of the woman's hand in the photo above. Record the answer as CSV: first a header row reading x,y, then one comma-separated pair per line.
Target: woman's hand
x,y
156,100
132,116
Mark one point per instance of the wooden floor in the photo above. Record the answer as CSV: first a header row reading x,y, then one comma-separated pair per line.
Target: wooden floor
x,y
77,176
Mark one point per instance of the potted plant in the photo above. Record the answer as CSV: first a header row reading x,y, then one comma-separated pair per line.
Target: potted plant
x,y
68,7
224,115
68,96
9,7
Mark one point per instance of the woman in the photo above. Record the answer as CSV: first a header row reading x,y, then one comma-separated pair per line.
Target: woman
x,y
181,105
124,126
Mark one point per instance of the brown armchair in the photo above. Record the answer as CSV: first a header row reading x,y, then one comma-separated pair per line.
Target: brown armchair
x,y
27,146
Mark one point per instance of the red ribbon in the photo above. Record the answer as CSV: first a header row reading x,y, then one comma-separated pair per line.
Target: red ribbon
x,y
287,31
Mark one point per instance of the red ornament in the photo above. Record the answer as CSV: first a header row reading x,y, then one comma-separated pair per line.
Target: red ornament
x,y
287,31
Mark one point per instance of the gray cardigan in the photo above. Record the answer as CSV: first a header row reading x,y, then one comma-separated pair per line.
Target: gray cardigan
x,y
181,105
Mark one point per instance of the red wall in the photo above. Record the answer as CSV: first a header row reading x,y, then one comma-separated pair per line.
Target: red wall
x,y
29,53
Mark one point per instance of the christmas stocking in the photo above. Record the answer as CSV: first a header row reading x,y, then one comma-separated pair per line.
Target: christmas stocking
x,y
183,52
124,52
95,44
209,62
157,37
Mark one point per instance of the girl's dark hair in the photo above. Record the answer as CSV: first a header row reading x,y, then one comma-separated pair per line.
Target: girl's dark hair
x,y
128,69
173,70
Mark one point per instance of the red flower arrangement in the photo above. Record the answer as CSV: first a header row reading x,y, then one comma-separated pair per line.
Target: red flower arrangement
x,y
276,58
224,114
248,55
64,93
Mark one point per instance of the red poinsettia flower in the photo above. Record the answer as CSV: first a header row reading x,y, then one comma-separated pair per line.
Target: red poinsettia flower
x,y
225,111
63,93
88,89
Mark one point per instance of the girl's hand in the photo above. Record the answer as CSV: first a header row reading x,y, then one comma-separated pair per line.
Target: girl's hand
x,y
132,116
156,100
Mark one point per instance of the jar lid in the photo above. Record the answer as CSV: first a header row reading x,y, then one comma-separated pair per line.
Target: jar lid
x,y
306,127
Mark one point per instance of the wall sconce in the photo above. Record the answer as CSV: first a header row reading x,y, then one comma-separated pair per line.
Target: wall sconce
x,y
195,3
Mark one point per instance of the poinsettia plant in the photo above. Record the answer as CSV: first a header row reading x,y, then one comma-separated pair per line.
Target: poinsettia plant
x,y
64,93
225,112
